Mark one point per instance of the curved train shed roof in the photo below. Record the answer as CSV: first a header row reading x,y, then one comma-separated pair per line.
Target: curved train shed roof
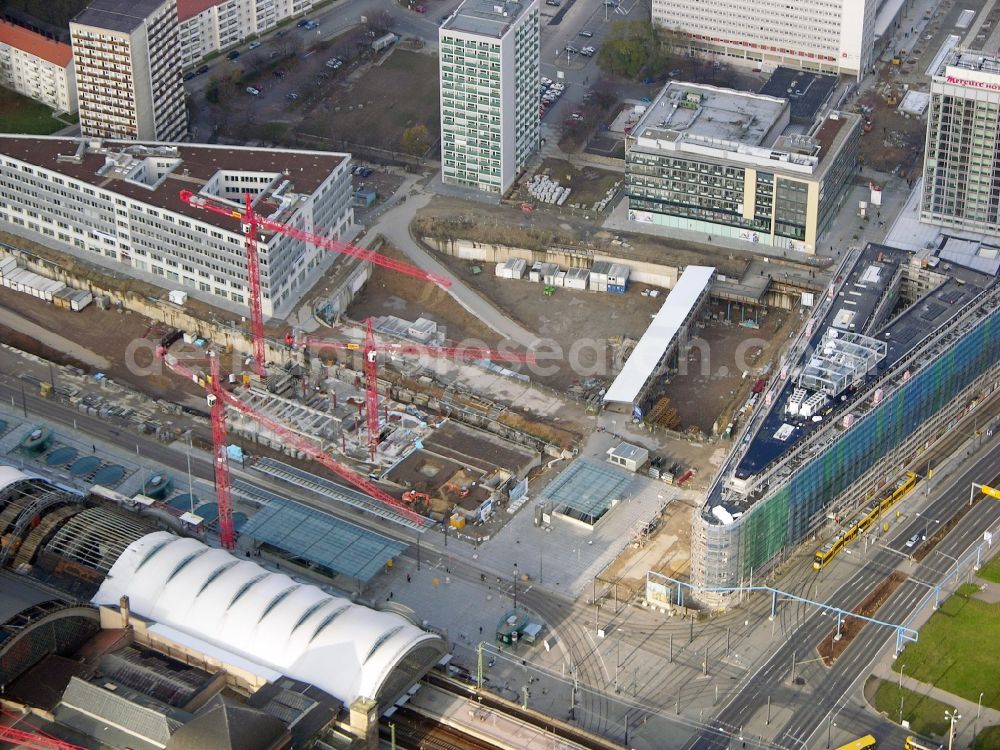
x,y
9,475
268,618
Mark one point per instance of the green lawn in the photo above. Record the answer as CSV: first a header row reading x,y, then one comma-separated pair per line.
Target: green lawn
x,y
957,650
988,739
926,715
19,114
991,570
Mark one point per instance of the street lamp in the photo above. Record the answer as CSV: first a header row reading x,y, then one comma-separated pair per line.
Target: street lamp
x,y
975,726
515,585
951,717
901,677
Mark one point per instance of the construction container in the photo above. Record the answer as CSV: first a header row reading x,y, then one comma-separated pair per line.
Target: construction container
x,y
577,278
599,276
535,274
72,299
457,521
618,275
549,273
177,297
560,279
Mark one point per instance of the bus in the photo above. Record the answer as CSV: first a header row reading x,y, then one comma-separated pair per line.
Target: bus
x,y
864,520
867,742
912,743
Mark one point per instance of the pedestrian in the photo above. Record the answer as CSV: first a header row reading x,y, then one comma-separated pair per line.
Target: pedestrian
x,y
480,630
93,448
390,596
408,578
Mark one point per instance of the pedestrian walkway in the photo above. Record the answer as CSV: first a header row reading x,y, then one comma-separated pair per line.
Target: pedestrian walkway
x,y
394,225
966,708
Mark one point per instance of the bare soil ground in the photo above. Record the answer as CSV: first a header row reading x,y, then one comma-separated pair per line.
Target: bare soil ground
x,y
105,332
391,293
713,384
589,184
578,322
374,108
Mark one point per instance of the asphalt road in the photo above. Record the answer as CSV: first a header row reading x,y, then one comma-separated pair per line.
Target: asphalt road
x,y
822,699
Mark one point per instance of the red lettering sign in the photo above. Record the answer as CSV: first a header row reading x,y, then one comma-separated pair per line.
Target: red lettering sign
x,y
975,84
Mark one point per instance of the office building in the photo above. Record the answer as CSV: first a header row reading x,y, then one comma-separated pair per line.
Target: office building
x,y
208,26
902,347
38,67
961,187
489,92
127,67
116,204
833,36
718,161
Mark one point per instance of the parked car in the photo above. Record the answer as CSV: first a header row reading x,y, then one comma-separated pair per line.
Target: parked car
x,y
311,25
280,73
202,70
553,3
292,96
302,24
586,34
233,55
189,75
254,45
587,51
545,81
253,91
420,8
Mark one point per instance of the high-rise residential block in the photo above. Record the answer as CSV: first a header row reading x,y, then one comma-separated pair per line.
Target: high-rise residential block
x,y
489,92
128,75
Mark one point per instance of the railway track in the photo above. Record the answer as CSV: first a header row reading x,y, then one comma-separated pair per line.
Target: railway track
x,y
557,728
416,732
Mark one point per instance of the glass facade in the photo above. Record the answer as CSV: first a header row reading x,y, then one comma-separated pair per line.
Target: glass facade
x,y
691,189
731,553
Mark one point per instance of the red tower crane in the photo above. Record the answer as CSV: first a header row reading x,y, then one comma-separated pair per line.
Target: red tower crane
x,y
223,490
369,351
224,397
34,740
251,223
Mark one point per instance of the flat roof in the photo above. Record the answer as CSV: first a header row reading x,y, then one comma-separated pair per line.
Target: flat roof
x,y
857,299
628,452
491,18
710,112
806,91
309,534
586,490
198,163
660,334
973,61
117,15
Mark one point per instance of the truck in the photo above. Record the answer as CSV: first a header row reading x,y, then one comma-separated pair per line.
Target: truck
x,y
384,41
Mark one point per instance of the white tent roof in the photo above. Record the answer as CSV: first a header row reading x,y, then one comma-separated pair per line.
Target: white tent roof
x,y
296,629
9,475
657,338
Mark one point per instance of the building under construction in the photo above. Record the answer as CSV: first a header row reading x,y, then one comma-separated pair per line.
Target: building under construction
x,y
899,349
